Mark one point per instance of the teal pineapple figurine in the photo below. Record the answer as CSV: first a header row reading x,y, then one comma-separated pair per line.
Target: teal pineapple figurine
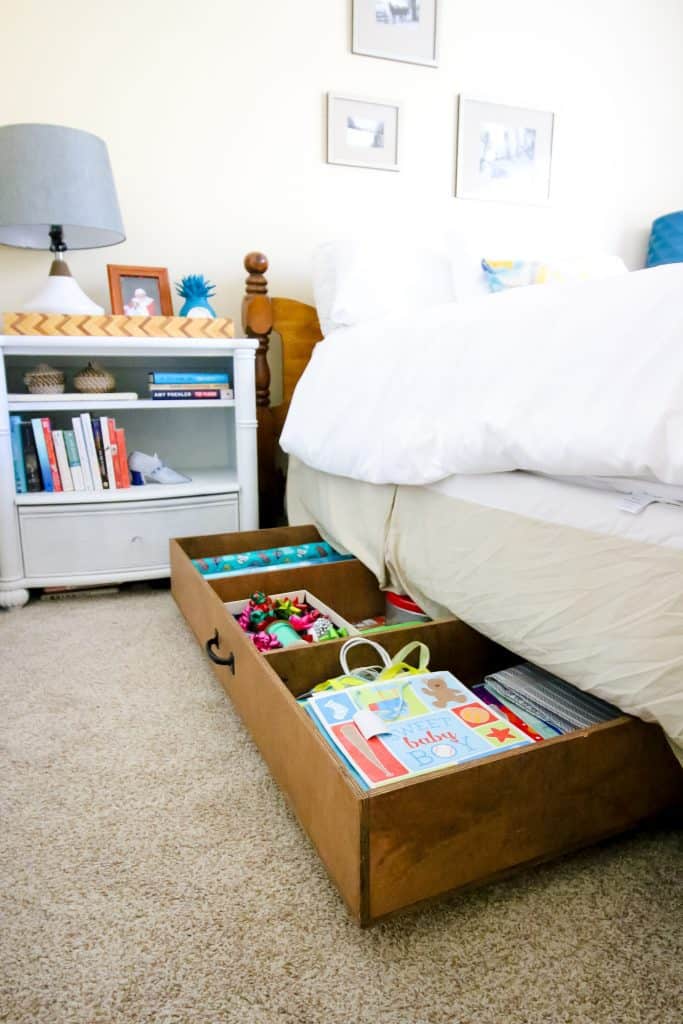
x,y
196,291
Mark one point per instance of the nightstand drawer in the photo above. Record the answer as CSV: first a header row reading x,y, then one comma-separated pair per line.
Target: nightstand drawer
x,y
87,539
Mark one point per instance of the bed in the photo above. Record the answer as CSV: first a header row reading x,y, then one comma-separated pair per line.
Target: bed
x,y
553,569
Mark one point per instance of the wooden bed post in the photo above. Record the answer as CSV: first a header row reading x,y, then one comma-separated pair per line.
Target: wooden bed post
x,y
297,326
257,320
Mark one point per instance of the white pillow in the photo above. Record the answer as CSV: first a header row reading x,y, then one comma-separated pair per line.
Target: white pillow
x,y
355,281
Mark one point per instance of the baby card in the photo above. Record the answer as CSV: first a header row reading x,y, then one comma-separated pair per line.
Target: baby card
x,y
410,725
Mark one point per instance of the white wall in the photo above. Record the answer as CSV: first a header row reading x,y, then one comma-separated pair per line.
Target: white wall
x,y
213,113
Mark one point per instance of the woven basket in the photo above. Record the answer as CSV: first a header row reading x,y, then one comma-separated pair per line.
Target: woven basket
x,y
44,380
93,378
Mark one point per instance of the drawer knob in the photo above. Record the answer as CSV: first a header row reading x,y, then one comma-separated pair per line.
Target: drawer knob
x,y
214,642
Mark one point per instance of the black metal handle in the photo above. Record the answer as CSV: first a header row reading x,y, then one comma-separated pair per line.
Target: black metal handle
x,y
216,658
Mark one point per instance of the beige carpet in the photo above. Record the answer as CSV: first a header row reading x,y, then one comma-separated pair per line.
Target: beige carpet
x,y
151,871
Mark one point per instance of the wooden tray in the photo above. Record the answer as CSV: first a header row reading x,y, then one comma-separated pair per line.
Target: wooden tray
x,y
61,325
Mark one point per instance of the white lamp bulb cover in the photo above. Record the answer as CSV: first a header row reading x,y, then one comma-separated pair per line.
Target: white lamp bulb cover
x,y
61,294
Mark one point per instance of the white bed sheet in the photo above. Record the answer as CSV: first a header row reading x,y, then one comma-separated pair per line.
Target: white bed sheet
x,y
596,506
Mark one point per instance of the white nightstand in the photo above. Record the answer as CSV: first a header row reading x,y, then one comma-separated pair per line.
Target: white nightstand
x,y
86,537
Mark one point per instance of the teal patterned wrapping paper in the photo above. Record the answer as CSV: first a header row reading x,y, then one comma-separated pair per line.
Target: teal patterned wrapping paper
x,y
315,553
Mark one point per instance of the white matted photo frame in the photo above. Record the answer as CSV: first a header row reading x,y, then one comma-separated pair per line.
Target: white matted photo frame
x,y
363,132
405,30
504,153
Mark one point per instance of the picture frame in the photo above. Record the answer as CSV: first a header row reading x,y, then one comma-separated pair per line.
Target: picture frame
x,y
363,132
504,153
403,30
139,291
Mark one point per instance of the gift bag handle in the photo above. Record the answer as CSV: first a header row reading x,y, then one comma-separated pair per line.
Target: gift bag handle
x,y
356,641
398,662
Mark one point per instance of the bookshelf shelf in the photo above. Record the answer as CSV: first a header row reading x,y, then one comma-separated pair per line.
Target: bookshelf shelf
x,y
91,405
73,538
204,481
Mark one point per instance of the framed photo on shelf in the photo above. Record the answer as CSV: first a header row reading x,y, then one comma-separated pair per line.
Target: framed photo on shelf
x,y
504,153
362,133
139,291
404,30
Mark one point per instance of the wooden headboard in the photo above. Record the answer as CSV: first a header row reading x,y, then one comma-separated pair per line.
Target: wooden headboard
x,y
298,327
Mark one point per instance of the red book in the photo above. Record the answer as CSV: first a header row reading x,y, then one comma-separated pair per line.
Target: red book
x,y
121,459
111,428
488,698
514,719
52,458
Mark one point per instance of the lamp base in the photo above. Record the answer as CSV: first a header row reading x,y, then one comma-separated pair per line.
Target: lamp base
x,y
61,294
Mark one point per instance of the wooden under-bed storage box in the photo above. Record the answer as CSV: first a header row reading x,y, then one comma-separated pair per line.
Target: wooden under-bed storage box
x,y
408,841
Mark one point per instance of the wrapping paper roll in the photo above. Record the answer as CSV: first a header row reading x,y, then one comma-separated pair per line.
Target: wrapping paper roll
x,y
268,558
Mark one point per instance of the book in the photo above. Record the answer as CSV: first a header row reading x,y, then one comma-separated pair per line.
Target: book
x,y
528,724
93,461
34,481
17,455
108,454
527,689
74,460
533,722
41,454
96,428
191,394
114,446
189,387
62,461
410,725
77,424
52,458
122,455
187,378
223,389
545,721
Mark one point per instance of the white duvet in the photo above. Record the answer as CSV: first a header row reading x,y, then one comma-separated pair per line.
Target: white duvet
x,y
581,379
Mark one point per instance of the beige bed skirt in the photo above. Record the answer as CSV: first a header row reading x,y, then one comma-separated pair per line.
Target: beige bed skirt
x,y
603,612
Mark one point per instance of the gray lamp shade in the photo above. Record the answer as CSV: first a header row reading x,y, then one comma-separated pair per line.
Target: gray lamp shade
x,y
54,175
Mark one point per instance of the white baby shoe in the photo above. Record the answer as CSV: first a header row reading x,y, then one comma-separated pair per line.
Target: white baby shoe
x,y
152,469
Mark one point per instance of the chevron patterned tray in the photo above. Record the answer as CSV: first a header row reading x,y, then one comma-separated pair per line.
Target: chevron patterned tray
x,y
57,324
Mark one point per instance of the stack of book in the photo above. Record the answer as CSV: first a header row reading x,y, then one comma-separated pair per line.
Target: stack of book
x,y
189,386
541,704
91,457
